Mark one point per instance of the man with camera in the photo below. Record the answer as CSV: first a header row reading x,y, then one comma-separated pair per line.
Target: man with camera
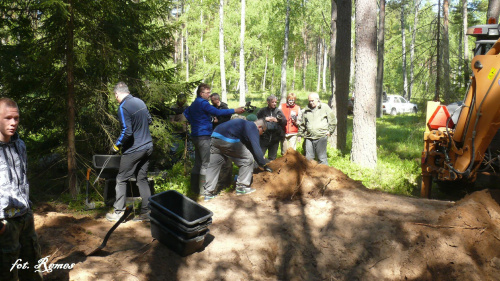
x,y
217,103
275,123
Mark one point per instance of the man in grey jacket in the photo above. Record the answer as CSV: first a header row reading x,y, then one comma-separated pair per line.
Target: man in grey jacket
x,y
18,239
318,123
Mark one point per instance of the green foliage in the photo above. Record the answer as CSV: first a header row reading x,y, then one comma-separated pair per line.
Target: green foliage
x,y
399,144
113,41
174,179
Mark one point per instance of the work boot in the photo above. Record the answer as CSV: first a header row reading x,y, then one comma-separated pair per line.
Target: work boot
x,y
114,216
195,183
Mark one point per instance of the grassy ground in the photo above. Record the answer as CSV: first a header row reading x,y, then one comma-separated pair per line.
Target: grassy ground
x,y
399,144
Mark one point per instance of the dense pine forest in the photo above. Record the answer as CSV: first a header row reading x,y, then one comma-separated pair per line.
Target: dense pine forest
x,y
59,59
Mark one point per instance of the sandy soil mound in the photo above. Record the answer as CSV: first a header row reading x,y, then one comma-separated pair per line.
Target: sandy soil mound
x,y
305,222
294,176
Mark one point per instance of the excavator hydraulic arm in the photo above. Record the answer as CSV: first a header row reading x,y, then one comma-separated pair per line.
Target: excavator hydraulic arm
x,y
455,151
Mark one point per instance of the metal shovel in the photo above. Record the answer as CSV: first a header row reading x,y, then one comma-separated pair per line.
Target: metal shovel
x,y
126,213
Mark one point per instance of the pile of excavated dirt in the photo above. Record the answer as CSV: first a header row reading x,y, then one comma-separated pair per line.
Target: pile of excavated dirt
x,y
295,176
305,222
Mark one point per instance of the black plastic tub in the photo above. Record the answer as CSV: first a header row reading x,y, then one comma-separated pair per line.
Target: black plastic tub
x,y
179,208
180,229
181,246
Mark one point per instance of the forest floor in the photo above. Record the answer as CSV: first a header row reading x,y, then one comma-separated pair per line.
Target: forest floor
x,y
305,222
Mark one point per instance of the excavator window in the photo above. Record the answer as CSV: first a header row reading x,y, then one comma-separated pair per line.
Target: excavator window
x,y
482,48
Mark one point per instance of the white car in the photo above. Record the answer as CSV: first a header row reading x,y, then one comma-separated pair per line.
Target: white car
x,y
395,105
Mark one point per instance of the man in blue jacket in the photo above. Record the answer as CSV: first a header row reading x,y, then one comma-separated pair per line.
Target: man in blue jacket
x,y
199,115
238,140
137,145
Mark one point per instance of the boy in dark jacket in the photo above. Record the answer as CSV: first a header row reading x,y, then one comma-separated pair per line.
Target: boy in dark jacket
x,y
18,239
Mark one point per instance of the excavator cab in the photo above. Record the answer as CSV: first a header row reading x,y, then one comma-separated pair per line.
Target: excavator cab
x,y
486,35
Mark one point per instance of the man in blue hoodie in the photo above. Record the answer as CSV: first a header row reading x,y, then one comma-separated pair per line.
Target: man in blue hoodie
x,y
137,145
199,115
237,140
18,239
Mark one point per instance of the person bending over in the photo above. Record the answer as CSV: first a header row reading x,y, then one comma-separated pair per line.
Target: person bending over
x,y
237,139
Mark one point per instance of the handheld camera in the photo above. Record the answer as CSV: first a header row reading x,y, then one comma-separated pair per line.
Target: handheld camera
x,y
249,107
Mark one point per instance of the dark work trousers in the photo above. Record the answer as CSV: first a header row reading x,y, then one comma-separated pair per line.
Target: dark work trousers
x,y
317,148
271,146
201,154
201,160
134,164
19,241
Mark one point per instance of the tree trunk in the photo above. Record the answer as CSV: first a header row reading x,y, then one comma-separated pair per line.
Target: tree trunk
x,y
294,72
465,64
380,56
264,78
201,33
285,54
364,144
325,64
318,60
403,49
304,70
182,46
331,56
223,89
176,52
353,50
304,62
272,79
187,55
342,61
72,166
446,54
493,10
438,52
242,55
412,48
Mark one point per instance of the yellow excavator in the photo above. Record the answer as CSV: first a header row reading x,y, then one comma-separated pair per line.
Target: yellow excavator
x,y
463,139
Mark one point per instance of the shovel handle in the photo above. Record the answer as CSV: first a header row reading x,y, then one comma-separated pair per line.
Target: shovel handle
x,y
126,213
